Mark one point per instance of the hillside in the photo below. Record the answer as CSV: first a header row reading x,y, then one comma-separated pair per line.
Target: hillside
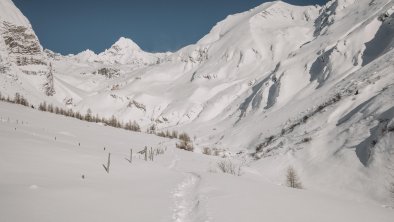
x,y
51,170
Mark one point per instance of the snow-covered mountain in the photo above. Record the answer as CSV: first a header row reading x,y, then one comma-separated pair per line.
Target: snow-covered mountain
x,y
304,85
23,63
124,51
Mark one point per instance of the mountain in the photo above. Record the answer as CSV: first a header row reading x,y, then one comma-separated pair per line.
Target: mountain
x,y
22,60
124,51
310,86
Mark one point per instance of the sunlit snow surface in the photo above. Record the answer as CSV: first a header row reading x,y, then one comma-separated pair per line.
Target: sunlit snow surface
x,y
41,180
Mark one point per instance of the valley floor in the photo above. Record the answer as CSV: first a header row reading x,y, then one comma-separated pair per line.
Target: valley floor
x,y
51,169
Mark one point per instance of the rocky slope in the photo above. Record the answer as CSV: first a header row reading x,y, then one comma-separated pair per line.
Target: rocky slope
x,y
22,60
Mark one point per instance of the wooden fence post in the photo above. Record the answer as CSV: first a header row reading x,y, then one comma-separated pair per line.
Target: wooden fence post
x,y
146,153
108,163
131,155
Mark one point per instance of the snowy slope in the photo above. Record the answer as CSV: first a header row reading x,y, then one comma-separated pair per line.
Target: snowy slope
x,y
41,180
308,86
10,13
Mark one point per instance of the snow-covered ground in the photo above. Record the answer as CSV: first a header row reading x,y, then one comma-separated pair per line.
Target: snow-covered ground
x,y
44,156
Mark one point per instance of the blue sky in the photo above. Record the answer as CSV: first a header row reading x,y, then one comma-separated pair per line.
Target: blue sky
x,y
71,26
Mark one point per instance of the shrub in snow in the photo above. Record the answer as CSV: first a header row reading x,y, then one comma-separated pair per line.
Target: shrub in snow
x,y
207,151
213,151
230,167
188,146
168,134
185,142
161,134
184,137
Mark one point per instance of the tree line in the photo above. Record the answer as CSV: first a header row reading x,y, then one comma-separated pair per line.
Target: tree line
x,y
88,116
185,141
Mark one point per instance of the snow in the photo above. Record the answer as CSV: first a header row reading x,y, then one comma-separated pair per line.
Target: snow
x,y
270,72
126,43
48,186
86,56
41,179
262,201
10,13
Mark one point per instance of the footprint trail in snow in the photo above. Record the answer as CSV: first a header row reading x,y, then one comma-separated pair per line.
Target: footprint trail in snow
x,y
188,207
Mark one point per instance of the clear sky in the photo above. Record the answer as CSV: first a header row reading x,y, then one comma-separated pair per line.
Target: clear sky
x,y
71,26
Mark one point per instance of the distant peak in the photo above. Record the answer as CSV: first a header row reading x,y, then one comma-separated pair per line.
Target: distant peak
x,y
86,54
89,52
125,43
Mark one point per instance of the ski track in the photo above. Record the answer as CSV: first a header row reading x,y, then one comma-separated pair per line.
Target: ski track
x,y
187,201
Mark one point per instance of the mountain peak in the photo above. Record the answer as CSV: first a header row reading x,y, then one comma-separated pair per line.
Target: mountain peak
x,y
125,43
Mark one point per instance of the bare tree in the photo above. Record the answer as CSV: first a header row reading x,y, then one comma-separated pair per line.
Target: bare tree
x,y
151,129
292,179
88,115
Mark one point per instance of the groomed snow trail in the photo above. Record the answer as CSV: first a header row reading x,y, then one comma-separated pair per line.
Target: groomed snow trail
x,y
188,207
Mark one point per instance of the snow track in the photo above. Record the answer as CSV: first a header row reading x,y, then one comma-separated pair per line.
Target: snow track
x,y
188,206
